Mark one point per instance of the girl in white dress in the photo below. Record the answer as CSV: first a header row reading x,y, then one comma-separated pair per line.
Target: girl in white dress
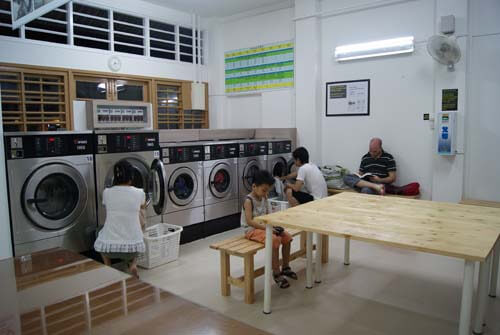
x,y
122,236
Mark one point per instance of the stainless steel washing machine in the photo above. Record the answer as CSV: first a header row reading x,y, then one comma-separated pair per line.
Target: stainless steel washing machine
x,y
141,149
51,190
252,157
279,159
220,179
183,183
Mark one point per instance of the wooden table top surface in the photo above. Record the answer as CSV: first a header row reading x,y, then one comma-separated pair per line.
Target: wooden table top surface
x,y
456,230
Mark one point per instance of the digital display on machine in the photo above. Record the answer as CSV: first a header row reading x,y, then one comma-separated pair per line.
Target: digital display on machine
x,y
222,151
32,146
262,148
184,154
126,142
281,147
254,149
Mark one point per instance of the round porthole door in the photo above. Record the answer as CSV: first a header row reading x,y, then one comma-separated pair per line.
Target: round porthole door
x,y
279,167
248,173
157,186
182,186
54,196
220,180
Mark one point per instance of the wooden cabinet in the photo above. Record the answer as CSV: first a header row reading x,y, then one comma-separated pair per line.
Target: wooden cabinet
x,y
90,88
33,100
40,99
173,107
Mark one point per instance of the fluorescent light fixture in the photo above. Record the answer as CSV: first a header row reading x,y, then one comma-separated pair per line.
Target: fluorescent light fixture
x,y
392,46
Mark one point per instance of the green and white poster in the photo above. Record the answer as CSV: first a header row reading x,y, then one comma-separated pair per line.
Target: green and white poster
x,y
264,67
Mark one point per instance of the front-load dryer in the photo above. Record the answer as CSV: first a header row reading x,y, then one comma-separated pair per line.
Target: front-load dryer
x,y
51,190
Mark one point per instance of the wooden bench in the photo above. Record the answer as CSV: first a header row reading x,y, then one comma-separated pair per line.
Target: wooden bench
x,y
333,191
241,247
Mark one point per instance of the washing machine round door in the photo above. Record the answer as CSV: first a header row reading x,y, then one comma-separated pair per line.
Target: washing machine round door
x,y
220,180
248,173
140,177
182,186
279,167
291,167
54,196
157,186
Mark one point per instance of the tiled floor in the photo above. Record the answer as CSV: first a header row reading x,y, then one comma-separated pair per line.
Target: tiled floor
x,y
384,291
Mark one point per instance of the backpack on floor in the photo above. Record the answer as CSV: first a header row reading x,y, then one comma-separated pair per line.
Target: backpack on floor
x,y
409,189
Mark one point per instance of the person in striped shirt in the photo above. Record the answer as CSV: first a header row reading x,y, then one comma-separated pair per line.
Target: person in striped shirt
x,y
377,169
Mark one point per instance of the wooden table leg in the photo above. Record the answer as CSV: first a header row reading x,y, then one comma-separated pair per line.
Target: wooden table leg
x,y
326,249
466,303
482,292
249,279
268,271
225,272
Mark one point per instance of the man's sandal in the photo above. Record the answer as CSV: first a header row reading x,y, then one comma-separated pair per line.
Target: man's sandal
x,y
289,273
281,281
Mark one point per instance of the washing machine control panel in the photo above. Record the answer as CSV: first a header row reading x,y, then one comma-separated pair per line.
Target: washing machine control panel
x,y
221,151
253,149
49,145
126,142
280,147
182,154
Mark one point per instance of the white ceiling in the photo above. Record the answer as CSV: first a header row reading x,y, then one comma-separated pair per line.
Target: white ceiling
x,y
215,8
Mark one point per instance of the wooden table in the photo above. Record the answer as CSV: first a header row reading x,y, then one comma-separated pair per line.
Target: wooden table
x,y
455,230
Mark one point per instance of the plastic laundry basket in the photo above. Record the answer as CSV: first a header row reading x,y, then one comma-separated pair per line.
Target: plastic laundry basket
x,y
162,245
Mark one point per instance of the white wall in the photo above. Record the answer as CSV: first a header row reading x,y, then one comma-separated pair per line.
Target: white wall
x,y
483,134
308,72
20,51
401,90
267,109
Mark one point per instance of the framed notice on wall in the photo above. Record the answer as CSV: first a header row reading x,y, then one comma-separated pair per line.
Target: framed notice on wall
x,y
348,98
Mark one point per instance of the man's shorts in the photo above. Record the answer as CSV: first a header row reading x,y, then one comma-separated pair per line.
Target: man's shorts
x,y
302,197
351,180
259,235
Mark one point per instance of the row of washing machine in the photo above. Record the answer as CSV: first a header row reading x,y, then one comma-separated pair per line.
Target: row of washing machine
x,y
56,180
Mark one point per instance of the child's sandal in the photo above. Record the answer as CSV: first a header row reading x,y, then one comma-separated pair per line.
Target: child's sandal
x,y
289,273
281,281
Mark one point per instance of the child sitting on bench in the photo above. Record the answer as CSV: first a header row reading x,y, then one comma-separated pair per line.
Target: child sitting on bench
x,y
255,205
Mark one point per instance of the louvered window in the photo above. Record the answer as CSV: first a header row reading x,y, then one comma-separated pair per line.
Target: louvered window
x,y
128,33
186,45
50,27
106,29
6,20
90,27
162,39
